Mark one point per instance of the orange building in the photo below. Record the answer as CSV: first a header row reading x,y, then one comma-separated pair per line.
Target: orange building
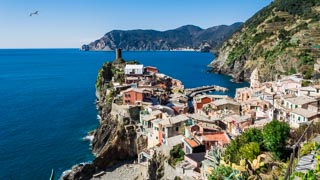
x,y
199,102
132,96
151,69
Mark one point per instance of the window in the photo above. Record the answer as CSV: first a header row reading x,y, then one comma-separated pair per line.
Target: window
x,y
296,106
156,137
299,118
177,128
187,150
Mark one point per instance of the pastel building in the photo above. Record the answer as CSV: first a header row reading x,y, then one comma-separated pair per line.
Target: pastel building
x,y
133,69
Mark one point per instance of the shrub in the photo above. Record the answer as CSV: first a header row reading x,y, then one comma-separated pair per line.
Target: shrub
x,y
250,151
275,135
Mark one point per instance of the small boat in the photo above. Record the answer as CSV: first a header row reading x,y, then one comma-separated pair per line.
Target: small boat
x,y
52,175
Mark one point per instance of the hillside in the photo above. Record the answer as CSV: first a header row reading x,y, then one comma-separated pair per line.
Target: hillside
x,y
282,38
185,37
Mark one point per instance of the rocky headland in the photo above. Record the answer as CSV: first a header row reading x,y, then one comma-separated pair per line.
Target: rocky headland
x,y
189,37
115,139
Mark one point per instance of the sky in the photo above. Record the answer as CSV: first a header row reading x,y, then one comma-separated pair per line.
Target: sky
x,y
71,23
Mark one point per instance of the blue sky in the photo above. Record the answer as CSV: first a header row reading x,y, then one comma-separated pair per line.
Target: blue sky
x,y
71,23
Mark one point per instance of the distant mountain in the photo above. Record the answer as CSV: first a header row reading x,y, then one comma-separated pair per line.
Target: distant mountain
x,y
283,38
182,38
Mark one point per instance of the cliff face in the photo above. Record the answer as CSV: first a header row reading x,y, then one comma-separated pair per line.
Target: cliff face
x,y
282,38
185,37
114,140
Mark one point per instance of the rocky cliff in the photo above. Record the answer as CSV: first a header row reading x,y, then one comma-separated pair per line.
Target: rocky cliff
x,y
115,139
186,37
282,38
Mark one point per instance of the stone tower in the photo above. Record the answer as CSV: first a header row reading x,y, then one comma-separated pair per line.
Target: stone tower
x,y
254,79
118,53
118,59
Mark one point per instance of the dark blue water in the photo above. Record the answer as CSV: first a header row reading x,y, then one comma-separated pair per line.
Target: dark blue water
x,y
47,103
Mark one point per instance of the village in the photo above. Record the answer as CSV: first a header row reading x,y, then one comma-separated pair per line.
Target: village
x,y
172,120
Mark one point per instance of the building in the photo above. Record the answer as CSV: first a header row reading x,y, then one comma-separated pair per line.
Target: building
x,y
227,105
200,100
132,96
133,69
162,129
236,124
243,94
151,69
198,139
298,102
300,116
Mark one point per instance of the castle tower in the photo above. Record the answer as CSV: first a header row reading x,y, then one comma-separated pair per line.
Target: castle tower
x,y
118,53
118,59
254,79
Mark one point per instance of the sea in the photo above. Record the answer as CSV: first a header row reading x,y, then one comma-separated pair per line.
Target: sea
x,y
47,103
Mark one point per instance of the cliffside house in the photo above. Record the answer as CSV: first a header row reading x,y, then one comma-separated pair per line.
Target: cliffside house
x,y
162,129
300,116
228,106
132,96
286,104
236,123
151,69
133,69
198,139
200,100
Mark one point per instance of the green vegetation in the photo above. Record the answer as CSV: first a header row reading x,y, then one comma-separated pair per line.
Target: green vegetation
x,y
176,155
307,148
251,139
250,151
282,36
299,7
223,172
275,135
104,75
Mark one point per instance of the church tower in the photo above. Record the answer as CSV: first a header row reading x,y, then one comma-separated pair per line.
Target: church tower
x,y
254,79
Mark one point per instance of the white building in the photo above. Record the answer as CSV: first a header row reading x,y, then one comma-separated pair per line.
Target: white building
x,y
299,115
133,69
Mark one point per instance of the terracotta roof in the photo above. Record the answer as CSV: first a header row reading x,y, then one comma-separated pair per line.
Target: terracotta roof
x,y
221,137
191,143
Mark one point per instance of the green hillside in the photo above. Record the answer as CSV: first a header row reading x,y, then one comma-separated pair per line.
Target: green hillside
x,y
282,38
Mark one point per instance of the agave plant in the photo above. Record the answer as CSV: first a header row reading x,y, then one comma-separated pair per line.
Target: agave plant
x,y
215,155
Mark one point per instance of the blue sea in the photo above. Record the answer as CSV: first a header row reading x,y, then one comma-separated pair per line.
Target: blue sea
x,y
47,103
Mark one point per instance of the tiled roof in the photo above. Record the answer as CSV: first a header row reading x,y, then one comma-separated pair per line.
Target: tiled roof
x,y
179,118
304,112
225,101
221,137
191,143
300,100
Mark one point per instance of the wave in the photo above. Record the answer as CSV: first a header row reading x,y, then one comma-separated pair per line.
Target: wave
x,y
64,173
89,137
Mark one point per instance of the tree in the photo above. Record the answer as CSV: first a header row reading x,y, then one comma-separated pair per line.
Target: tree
x,y
275,135
231,153
252,135
250,151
